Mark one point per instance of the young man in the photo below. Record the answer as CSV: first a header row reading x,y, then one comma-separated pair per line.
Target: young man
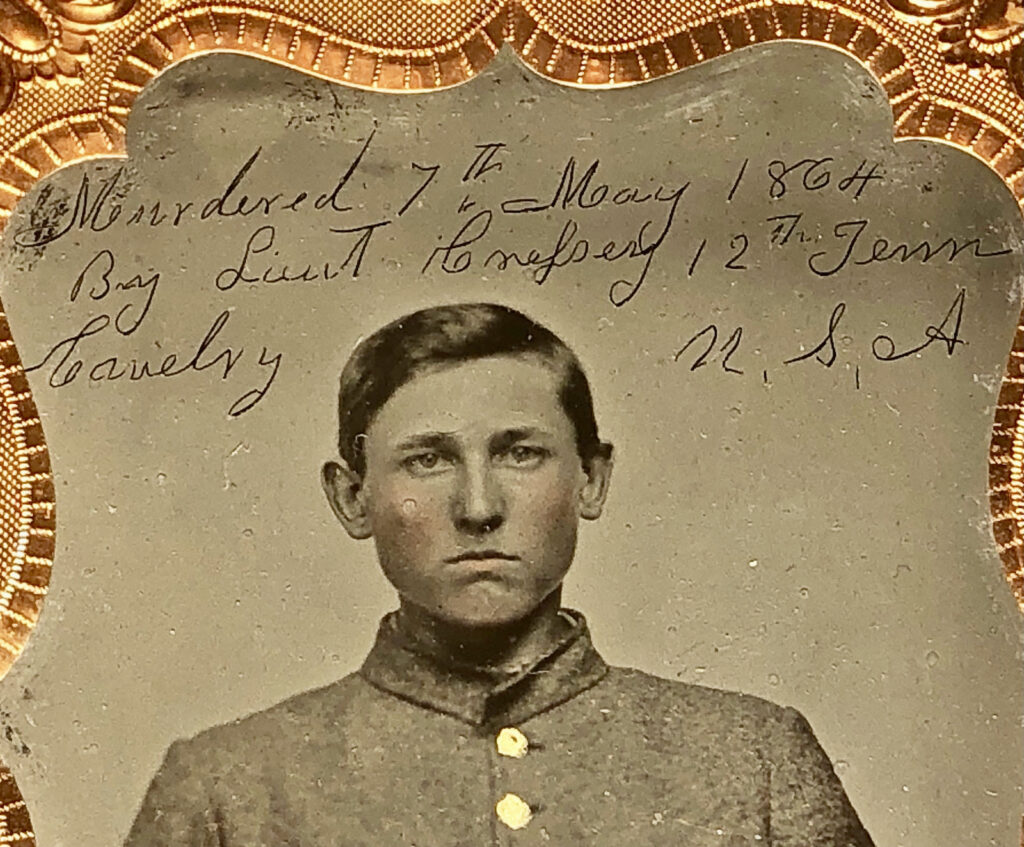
x,y
483,714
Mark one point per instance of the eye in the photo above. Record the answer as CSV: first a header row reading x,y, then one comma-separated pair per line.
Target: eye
x,y
424,463
524,455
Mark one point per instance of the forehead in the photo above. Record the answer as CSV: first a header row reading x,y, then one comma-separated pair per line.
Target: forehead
x,y
480,395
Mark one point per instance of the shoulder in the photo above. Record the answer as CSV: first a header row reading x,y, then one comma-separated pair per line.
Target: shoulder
x,y
688,696
275,730
716,712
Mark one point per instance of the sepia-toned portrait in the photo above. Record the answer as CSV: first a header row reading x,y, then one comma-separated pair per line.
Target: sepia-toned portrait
x,y
469,453
519,464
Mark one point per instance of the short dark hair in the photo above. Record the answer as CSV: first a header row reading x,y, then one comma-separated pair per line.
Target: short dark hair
x,y
448,335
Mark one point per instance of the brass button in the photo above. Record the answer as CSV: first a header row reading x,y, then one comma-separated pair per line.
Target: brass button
x,y
513,811
511,742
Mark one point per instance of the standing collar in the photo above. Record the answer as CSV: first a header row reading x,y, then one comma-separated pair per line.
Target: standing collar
x,y
477,696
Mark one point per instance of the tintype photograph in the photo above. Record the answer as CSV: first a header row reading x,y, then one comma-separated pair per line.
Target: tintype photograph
x,y
519,464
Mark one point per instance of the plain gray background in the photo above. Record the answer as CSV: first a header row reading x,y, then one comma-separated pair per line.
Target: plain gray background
x,y
797,537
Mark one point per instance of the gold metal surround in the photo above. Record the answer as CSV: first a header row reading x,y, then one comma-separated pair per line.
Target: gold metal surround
x,y
70,71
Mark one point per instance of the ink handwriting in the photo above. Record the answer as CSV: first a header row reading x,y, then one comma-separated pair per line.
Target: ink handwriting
x,y
702,349
579,219
94,352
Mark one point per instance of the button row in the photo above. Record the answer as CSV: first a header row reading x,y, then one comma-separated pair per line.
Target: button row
x,y
513,810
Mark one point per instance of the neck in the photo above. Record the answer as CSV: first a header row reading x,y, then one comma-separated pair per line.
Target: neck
x,y
506,647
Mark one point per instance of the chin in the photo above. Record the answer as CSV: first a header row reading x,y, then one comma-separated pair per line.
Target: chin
x,y
485,609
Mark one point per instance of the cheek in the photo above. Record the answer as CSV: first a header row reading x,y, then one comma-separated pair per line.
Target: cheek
x,y
405,512
551,502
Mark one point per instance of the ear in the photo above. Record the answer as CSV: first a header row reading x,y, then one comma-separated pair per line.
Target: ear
x,y
347,498
599,474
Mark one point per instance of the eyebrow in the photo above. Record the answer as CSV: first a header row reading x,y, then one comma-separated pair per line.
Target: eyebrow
x,y
509,437
436,439
427,439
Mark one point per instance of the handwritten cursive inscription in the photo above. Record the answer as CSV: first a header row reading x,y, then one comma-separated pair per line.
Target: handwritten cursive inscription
x,y
578,220
92,352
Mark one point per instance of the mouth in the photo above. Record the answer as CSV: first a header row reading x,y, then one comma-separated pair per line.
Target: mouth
x,y
481,556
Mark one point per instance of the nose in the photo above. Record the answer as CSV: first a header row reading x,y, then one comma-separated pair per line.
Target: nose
x,y
479,505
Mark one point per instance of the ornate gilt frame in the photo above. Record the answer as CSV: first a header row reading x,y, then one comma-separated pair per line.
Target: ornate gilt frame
x,y
70,71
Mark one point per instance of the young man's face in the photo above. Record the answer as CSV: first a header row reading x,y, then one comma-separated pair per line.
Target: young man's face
x,y
473,490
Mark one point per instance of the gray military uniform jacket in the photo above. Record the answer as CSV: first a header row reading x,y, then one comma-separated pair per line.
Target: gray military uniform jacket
x,y
409,752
